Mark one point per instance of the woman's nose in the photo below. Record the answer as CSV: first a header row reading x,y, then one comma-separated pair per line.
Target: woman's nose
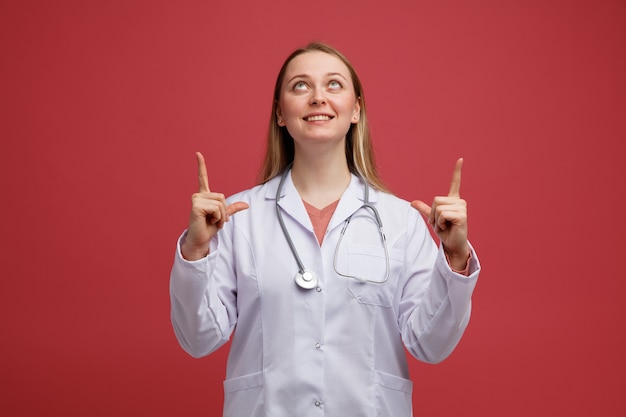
x,y
318,97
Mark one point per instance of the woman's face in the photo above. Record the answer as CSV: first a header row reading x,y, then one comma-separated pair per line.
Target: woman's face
x,y
317,99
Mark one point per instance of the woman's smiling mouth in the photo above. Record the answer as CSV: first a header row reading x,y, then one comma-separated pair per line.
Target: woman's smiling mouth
x,y
318,118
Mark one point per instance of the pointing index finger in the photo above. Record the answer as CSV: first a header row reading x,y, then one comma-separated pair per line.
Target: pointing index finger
x,y
455,184
203,178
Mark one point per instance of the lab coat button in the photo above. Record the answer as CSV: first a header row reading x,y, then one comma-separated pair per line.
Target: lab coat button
x,y
318,289
318,403
318,346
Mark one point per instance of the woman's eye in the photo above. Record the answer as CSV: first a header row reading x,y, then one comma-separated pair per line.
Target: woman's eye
x,y
334,84
300,86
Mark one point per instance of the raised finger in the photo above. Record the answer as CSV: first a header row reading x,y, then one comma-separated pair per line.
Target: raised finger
x,y
455,184
203,178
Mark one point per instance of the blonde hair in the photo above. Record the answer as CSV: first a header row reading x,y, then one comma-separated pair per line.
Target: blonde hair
x,y
359,152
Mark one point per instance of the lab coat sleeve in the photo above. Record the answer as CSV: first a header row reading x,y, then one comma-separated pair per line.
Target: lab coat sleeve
x,y
436,302
203,307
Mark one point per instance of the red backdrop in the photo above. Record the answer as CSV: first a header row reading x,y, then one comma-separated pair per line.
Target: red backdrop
x,y
104,103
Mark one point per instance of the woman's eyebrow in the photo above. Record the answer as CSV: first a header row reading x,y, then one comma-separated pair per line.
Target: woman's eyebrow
x,y
332,74
297,76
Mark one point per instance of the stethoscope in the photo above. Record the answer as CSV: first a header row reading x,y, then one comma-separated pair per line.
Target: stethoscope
x,y
308,279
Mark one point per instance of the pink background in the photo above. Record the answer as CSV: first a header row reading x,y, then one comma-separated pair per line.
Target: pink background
x,y
103,104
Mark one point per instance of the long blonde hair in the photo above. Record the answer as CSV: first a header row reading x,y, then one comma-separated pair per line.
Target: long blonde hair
x,y
359,152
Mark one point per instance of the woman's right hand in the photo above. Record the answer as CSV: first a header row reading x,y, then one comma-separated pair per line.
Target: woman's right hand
x,y
209,211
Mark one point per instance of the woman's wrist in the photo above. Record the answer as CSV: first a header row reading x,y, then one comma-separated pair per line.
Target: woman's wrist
x,y
459,263
191,253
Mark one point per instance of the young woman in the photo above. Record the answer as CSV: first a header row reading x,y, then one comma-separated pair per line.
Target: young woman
x,y
323,275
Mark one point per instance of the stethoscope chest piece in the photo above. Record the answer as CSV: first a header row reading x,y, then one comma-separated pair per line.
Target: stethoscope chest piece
x,y
306,279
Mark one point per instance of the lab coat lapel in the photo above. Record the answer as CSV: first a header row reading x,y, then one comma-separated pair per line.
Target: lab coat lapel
x,y
290,201
351,200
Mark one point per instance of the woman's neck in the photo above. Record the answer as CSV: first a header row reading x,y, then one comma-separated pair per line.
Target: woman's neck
x,y
321,179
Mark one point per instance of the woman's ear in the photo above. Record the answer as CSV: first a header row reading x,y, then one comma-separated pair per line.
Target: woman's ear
x,y
279,116
356,116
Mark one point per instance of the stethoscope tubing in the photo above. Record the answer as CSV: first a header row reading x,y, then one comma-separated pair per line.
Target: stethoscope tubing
x,y
308,279
282,222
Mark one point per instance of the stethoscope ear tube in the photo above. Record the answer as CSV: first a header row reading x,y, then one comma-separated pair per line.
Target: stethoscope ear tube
x,y
383,241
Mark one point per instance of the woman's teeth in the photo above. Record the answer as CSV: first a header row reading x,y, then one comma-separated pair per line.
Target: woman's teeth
x,y
317,118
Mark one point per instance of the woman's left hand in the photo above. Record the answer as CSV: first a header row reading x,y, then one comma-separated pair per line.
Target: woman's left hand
x,y
448,218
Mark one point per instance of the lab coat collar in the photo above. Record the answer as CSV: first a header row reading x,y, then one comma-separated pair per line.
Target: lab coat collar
x,y
352,200
290,200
